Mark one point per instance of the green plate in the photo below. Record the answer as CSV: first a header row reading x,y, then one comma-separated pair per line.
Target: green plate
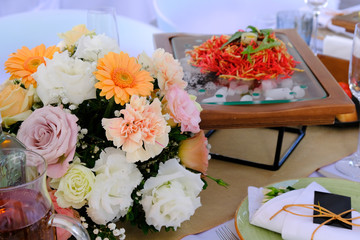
x,y
342,187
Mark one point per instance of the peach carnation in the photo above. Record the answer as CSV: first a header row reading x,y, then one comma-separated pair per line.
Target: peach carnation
x,y
142,131
165,68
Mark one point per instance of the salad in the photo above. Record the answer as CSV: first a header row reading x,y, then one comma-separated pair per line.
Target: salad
x,y
252,55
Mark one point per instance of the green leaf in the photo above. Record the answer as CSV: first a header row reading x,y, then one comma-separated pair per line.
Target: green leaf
x,y
248,50
253,29
266,31
290,188
237,35
265,44
233,38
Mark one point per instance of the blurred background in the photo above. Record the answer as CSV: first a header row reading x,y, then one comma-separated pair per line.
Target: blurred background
x,y
200,16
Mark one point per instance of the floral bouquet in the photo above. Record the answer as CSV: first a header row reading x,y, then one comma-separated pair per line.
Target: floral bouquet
x,y
120,134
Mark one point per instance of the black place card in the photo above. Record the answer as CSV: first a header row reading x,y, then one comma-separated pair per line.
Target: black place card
x,y
334,203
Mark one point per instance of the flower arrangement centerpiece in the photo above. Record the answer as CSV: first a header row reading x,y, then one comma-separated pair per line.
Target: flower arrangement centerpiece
x,y
120,134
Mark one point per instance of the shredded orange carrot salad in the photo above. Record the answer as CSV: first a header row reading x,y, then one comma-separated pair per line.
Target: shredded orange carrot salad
x,y
231,62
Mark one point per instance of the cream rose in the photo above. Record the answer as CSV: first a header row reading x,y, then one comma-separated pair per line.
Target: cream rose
x,y
171,197
15,102
65,79
72,36
75,186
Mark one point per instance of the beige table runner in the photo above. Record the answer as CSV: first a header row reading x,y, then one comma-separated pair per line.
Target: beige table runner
x,y
321,145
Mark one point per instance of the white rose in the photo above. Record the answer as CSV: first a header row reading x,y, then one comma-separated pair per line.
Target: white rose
x,y
92,48
112,160
75,186
116,179
67,78
172,196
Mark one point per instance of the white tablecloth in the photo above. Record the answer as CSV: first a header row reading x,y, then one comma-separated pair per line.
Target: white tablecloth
x,y
33,28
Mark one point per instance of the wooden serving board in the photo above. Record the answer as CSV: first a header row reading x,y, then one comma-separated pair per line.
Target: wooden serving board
x,y
309,112
347,21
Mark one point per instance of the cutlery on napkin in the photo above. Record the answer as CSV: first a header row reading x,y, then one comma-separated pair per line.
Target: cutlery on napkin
x,y
293,227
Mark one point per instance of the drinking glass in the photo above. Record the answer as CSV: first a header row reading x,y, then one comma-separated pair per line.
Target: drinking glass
x,y
350,165
26,210
103,21
316,6
300,20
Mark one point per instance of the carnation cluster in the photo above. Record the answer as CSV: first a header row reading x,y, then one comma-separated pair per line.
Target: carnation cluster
x,y
120,134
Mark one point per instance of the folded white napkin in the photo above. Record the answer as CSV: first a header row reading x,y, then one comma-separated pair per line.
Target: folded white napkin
x,y
337,46
294,227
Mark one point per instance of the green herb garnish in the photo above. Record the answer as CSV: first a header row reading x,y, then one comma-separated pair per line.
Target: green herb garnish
x,y
237,36
265,44
271,192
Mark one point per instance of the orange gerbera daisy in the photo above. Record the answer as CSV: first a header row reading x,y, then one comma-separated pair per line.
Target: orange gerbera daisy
x,y
25,62
120,76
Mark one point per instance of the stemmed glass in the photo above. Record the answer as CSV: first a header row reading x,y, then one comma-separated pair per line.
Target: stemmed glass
x,y
316,6
103,21
350,165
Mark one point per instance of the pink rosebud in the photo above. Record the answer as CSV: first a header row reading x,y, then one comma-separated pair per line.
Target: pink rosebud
x,y
182,109
52,133
61,233
193,152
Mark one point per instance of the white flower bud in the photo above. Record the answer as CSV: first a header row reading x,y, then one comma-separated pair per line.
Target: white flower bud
x,y
111,226
116,232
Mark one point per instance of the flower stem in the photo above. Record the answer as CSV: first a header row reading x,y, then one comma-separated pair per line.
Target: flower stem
x,y
218,181
109,108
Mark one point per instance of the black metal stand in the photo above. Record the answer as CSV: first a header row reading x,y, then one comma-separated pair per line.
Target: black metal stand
x,y
278,160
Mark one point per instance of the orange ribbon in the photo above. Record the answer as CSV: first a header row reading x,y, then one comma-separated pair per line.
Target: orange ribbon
x,y
323,212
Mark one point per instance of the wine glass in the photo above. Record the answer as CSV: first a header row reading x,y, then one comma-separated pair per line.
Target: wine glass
x,y
316,6
103,21
350,165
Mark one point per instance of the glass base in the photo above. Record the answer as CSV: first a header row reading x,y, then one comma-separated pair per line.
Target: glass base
x,y
350,166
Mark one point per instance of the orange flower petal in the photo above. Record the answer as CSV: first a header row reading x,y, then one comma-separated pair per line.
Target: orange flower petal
x,y
24,62
120,76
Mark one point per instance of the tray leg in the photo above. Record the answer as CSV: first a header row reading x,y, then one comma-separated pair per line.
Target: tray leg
x,y
278,160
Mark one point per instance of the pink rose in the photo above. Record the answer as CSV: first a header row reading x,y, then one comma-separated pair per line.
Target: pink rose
x,y
61,233
52,133
182,109
193,152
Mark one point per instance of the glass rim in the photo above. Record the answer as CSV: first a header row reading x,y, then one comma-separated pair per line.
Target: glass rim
x,y
102,10
37,178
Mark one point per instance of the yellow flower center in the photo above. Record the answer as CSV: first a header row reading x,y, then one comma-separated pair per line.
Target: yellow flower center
x,y
122,78
32,63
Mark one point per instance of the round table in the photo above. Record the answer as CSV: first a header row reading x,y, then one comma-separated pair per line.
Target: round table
x,y
33,28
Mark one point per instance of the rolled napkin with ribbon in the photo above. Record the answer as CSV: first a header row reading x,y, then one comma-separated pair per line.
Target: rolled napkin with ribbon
x,y
291,215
